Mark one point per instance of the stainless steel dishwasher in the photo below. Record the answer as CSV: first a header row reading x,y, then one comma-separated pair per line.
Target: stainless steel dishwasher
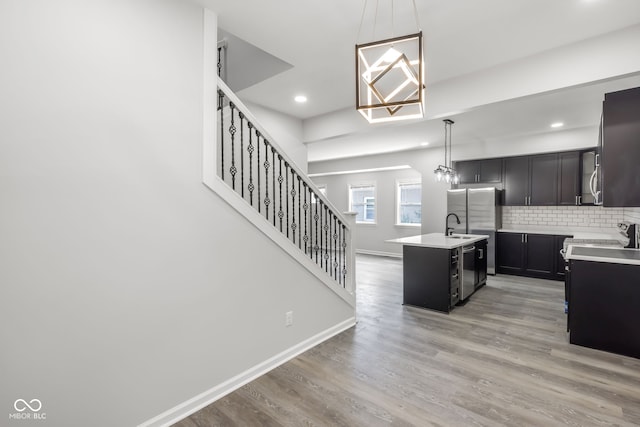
x,y
467,271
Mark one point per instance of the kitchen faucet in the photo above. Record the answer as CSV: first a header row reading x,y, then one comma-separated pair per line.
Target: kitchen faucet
x,y
449,230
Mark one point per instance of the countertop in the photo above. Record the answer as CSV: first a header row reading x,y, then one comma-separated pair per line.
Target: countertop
x,y
602,254
439,240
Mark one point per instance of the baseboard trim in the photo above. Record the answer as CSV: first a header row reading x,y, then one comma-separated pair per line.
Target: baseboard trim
x,y
378,253
198,402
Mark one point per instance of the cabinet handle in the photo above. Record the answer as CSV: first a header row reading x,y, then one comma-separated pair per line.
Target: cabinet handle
x,y
481,254
525,200
522,238
526,238
579,200
454,276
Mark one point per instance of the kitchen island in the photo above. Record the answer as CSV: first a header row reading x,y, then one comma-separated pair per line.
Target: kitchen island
x,y
441,271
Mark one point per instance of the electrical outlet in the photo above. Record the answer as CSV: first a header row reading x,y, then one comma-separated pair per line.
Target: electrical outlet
x,y
288,318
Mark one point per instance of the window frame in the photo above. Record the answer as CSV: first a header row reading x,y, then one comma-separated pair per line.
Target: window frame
x,y
375,204
398,219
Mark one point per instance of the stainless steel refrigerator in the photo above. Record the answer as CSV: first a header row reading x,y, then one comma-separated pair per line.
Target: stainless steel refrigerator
x,y
480,212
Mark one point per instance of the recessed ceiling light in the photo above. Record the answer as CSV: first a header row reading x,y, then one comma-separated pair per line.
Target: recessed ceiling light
x,y
557,125
424,144
300,99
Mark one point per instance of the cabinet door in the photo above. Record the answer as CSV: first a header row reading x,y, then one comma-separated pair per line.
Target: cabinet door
x,y
540,255
481,263
621,149
468,171
510,253
543,180
516,181
490,170
569,178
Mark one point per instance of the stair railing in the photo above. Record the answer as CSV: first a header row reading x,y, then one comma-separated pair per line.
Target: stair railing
x,y
251,163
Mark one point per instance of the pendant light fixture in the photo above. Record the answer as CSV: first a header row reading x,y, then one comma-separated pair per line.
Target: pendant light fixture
x,y
390,75
445,173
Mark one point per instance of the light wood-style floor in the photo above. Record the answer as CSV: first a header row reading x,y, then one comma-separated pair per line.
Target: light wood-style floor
x,y
502,359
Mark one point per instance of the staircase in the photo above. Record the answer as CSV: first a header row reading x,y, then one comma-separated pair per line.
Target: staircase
x,y
248,169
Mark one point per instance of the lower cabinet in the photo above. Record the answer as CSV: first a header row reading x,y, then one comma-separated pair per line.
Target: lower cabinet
x,y
531,255
605,313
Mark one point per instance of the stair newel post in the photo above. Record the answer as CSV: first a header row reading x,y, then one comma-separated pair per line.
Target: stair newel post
x,y
348,244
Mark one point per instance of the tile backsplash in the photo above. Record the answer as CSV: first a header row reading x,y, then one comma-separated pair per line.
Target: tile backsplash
x,y
632,215
572,216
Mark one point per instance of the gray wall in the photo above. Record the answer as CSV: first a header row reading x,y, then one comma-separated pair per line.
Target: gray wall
x,y
126,286
370,238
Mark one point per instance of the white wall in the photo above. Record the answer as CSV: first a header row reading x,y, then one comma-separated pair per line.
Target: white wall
x,y
126,286
285,130
370,238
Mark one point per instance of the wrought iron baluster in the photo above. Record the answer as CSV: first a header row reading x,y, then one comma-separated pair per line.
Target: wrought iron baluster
x,y
286,196
267,201
241,153
258,169
299,214
344,255
326,238
250,150
232,131
280,181
316,217
221,109
335,247
305,206
293,204
273,182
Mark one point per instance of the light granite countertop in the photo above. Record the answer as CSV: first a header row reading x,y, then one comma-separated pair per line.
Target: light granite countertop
x,y
439,240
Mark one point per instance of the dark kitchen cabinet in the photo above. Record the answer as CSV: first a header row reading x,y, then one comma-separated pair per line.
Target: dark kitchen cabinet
x,y
569,182
516,181
481,263
621,149
605,313
479,171
531,180
430,277
531,255
510,253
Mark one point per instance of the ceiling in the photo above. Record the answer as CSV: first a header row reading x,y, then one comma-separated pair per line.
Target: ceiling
x,y
314,43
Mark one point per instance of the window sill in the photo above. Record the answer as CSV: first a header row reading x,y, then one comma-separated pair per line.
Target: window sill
x,y
408,225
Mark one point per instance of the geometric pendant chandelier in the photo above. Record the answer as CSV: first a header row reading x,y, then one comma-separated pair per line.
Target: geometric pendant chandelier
x,y
390,79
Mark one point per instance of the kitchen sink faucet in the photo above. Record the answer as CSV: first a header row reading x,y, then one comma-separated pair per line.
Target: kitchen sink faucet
x,y
449,230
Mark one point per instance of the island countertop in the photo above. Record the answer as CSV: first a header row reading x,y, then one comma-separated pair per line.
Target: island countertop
x,y
439,240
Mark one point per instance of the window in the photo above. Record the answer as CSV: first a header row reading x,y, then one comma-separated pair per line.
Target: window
x,y
409,203
323,190
362,200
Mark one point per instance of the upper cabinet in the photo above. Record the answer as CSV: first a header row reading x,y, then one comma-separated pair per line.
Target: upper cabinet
x,y
569,189
536,180
480,171
621,149
531,180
